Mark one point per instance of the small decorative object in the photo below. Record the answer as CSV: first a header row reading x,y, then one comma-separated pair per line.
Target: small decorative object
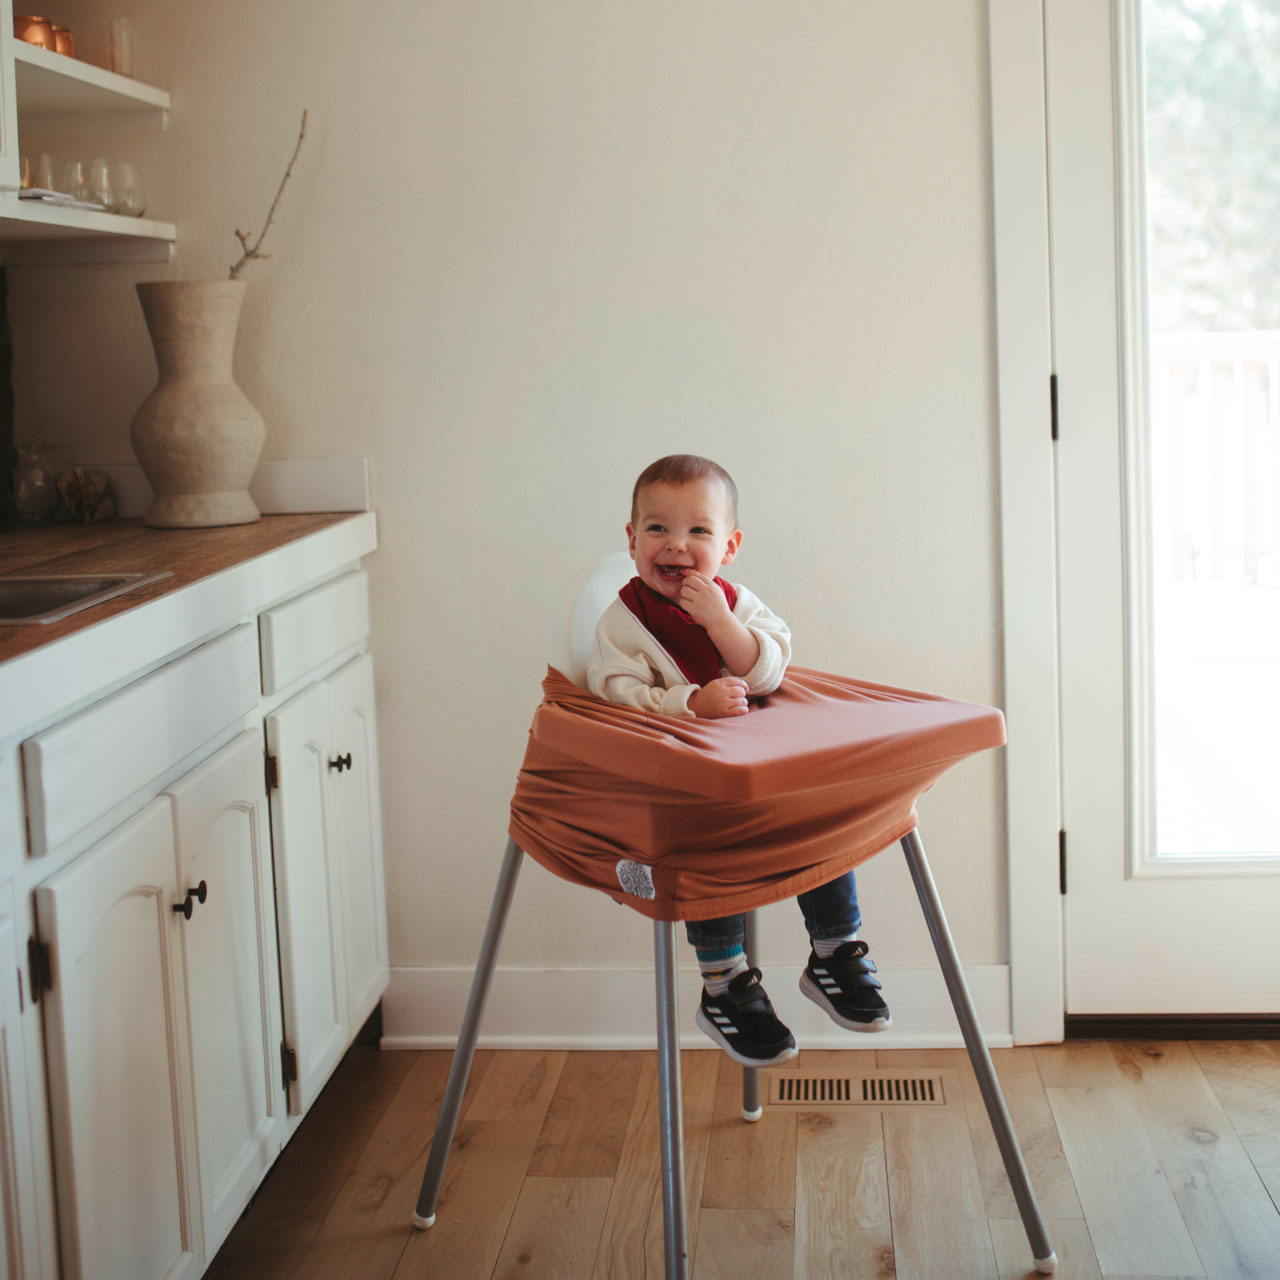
x,y
196,435
62,42
35,30
35,492
87,495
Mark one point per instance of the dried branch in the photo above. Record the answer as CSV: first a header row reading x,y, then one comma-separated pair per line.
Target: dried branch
x,y
253,252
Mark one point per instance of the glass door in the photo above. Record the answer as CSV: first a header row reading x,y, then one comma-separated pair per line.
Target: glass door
x,y
1164,138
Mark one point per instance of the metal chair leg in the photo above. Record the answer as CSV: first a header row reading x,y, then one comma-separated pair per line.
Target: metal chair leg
x,y
751,1108
670,1119
447,1122
1037,1234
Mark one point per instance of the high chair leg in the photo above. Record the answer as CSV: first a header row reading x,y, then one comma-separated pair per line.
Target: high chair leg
x,y
1037,1234
447,1121
751,1109
670,1119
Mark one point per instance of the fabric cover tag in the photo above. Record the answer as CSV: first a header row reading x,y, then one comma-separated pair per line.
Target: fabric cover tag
x,y
636,879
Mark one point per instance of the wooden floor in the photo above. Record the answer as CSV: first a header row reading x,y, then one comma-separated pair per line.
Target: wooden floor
x,y
1149,1159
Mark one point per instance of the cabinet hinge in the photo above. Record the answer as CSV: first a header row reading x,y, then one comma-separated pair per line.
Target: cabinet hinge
x,y
288,1063
273,774
1062,862
40,965
1053,405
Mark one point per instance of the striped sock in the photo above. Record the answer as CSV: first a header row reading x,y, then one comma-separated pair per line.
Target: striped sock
x,y
825,948
720,967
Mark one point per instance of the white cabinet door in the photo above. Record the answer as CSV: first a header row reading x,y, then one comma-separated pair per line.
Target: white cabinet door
x,y
10,173
308,893
17,1253
117,1056
233,978
357,815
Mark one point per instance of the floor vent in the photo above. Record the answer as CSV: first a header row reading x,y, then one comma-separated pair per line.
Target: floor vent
x,y
868,1089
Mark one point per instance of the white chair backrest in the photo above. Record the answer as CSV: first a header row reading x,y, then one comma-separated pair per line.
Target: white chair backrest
x,y
586,597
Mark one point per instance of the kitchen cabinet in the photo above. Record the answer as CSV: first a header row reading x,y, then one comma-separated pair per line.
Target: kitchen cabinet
x,y
118,1058
232,977
43,92
18,1245
326,831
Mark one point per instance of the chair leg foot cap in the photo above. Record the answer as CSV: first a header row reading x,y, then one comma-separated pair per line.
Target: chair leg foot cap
x,y
752,1116
423,1223
1047,1266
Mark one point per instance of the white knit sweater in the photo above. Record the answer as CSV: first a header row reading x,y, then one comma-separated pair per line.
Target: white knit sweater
x,y
630,666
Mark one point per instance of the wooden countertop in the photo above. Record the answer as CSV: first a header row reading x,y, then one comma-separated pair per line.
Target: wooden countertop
x,y
129,546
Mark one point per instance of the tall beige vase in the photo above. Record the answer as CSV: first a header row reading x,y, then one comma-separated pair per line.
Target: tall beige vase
x,y
196,435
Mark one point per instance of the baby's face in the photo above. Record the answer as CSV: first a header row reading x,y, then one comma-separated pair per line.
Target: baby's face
x,y
679,528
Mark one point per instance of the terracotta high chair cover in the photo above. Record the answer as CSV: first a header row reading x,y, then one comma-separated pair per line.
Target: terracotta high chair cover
x,y
694,819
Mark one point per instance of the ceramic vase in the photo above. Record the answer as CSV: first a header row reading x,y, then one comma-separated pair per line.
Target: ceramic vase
x,y
196,435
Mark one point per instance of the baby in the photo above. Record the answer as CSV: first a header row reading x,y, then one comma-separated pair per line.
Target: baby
x,y
680,641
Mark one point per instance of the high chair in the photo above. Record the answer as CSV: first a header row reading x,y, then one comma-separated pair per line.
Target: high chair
x,y
822,774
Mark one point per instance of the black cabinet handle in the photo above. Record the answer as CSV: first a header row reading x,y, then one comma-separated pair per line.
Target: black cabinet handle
x,y
199,894
342,762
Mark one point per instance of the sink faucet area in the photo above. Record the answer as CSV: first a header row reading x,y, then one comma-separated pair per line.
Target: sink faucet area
x,y
42,598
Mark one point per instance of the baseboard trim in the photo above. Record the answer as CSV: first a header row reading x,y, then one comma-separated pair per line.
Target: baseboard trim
x,y
1172,1026
614,1009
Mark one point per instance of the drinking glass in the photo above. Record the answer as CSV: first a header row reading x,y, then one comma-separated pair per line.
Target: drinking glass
x,y
75,180
43,175
127,190
98,183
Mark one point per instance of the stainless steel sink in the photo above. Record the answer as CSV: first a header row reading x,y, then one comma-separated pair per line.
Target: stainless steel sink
x,y
46,597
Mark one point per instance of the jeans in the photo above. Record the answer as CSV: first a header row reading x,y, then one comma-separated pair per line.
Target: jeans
x,y
830,911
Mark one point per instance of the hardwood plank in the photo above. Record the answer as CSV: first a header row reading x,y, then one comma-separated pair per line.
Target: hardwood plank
x,y
555,1229
518,1086
1245,1078
370,1221
264,1250
935,1197
1134,1222
842,1224
273,1237
1077,1064
483,1183
1069,1237
745,1242
586,1121
1032,1122
631,1241
700,1072
749,1166
1231,1218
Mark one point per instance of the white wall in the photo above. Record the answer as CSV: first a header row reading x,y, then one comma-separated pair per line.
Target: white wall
x,y
528,249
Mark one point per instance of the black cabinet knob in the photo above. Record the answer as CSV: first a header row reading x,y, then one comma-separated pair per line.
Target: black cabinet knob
x,y
199,894
342,762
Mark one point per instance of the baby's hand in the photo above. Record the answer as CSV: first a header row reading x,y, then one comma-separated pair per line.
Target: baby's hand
x,y
720,698
702,600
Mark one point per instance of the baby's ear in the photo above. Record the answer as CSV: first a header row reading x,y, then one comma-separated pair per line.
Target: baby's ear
x,y
735,541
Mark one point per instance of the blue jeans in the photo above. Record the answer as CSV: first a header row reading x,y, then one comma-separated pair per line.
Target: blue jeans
x,y
830,911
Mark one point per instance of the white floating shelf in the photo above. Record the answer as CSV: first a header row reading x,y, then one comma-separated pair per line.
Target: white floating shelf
x,y
36,234
57,92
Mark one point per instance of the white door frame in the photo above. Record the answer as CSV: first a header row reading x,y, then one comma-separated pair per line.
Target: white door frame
x,y
1024,346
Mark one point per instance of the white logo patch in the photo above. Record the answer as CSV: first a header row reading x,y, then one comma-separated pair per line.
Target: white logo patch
x,y
636,879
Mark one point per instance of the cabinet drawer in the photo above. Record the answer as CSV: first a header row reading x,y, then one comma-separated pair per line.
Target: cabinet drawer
x,y
82,768
300,635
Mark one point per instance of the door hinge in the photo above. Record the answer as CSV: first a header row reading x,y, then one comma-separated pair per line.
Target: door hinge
x,y
40,964
273,774
1062,862
288,1063
1053,405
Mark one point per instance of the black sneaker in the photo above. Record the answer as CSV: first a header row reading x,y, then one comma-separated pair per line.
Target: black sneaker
x,y
846,989
743,1024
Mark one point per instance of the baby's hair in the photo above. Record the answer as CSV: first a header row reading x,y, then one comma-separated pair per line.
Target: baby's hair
x,y
685,468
